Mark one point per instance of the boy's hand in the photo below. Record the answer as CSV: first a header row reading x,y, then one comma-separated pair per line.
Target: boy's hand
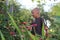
x,y
46,29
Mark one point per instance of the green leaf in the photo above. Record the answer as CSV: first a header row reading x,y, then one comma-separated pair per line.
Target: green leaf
x,y
29,33
43,31
15,25
2,36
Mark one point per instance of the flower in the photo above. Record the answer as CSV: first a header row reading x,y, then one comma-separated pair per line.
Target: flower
x,y
24,23
12,33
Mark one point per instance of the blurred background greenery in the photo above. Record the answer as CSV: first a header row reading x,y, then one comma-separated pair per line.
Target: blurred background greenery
x,y
19,13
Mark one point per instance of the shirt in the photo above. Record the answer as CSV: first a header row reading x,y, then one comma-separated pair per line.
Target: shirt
x,y
38,29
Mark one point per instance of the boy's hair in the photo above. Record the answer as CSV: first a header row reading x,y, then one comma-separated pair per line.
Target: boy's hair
x,y
36,9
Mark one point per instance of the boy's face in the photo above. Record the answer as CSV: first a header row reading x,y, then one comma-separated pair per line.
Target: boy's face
x,y
35,13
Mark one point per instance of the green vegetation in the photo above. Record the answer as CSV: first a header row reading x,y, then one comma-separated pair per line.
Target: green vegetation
x,y
13,28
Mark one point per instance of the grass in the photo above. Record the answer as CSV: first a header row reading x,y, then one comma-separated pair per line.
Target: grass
x,y
18,29
2,36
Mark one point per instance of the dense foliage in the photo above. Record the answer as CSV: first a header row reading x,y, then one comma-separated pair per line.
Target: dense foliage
x,y
14,19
